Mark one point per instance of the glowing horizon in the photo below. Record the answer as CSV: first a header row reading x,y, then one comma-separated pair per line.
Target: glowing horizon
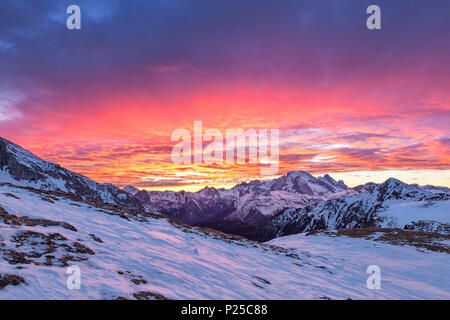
x,y
351,179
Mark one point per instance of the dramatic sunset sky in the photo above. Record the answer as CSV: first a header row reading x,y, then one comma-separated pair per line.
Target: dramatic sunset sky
x,y
103,101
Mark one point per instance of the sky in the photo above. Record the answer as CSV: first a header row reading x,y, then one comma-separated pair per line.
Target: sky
x,y
362,105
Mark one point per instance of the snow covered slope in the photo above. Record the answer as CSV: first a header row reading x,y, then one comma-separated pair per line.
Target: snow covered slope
x,y
407,269
20,167
135,255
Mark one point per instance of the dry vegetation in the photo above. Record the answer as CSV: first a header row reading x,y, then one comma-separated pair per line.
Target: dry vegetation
x,y
10,280
419,239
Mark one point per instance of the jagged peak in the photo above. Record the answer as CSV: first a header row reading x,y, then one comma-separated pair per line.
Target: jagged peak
x,y
15,153
398,189
208,190
131,189
5,140
393,182
295,174
327,179
26,169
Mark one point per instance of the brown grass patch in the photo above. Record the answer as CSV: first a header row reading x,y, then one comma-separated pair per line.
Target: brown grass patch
x,y
14,220
400,237
147,295
10,280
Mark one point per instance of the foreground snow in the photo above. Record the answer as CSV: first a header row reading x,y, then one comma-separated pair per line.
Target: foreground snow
x,y
406,271
122,255
401,213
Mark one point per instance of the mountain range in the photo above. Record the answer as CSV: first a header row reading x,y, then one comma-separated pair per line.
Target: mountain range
x,y
246,202
392,204
299,202
259,210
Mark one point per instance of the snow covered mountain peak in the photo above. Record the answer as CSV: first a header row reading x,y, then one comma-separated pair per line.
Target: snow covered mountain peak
x,y
131,190
295,174
20,163
305,183
209,192
395,189
20,167
297,182
328,179
392,183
